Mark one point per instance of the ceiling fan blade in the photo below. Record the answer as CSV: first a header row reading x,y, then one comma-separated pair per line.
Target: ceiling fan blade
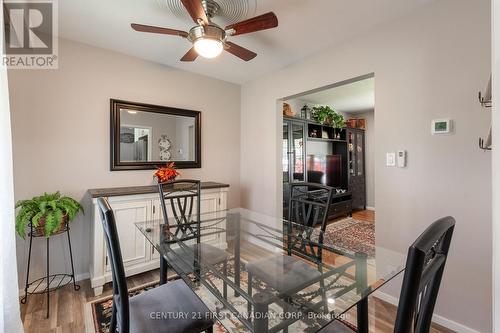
x,y
261,22
240,52
191,55
158,30
196,10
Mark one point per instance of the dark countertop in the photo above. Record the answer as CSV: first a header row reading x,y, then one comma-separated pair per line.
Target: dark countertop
x,y
130,190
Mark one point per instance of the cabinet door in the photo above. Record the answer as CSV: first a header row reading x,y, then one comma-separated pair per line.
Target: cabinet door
x,y
134,246
157,217
293,157
298,152
210,202
351,159
286,154
360,153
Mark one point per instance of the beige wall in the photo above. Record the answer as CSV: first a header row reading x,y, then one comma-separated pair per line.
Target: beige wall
x,y
496,163
60,123
430,65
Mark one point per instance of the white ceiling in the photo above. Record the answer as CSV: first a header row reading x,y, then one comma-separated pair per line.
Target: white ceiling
x,y
351,98
305,27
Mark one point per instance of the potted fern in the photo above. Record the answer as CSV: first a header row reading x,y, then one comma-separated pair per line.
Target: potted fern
x,y
48,214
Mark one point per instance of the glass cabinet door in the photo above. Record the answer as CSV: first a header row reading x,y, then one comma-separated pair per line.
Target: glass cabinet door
x,y
359,154
350,151
285,161
297,149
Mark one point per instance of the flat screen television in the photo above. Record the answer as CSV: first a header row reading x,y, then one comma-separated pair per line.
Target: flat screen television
x,y
325,170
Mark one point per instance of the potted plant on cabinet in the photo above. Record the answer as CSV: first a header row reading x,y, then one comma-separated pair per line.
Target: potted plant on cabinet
x,y
338,121
48,214
323,114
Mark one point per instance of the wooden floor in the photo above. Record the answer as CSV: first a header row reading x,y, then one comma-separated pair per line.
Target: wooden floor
x,y
67,305
364,215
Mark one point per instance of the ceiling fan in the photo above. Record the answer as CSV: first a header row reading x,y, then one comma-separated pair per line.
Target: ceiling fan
x,y
208,39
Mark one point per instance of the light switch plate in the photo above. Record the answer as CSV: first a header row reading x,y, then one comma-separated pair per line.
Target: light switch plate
x,y
390,159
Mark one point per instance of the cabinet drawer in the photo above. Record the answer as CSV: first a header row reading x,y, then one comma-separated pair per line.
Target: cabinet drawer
x,y
339,208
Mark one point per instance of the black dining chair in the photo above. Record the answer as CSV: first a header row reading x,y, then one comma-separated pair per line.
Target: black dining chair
x,y
308,206
149,311
424,269
182,198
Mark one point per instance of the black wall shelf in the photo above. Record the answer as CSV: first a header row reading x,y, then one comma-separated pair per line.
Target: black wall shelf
x,y
317,131
326,140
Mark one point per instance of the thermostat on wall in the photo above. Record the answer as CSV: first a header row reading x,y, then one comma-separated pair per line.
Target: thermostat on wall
x,y
401,158
441,126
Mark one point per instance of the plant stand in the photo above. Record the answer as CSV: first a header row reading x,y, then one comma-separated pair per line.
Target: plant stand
x,y
54,281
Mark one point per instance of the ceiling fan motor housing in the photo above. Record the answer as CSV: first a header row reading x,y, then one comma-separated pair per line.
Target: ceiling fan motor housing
x,y
211,7
209,31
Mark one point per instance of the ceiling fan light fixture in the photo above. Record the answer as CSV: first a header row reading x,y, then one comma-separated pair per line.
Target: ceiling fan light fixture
x,y
208,38
208,47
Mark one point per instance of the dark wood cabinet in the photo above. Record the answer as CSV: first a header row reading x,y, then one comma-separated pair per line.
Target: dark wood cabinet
x,y
293,157
341,205
302,139
356,167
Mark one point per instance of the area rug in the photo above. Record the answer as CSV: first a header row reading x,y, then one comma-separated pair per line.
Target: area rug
x,y
351,235
98,312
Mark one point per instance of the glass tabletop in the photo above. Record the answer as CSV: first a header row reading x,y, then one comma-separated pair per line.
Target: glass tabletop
x,y
262,274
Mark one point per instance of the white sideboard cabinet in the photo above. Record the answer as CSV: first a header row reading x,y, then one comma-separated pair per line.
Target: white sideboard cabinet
x,y
132,205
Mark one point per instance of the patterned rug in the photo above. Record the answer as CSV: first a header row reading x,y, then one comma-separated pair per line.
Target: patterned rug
x,y
98,312
352,235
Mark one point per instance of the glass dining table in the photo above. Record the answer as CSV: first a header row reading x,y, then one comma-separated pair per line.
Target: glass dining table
x,y
261,274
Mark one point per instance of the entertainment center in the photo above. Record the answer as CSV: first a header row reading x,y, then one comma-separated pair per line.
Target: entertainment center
x,y
318,153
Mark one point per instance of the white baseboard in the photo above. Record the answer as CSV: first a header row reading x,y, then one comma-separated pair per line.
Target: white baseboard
x,y
370,208
440,320
82,276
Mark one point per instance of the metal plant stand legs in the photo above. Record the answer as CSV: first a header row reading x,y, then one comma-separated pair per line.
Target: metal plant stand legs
x,y
48,282
61,279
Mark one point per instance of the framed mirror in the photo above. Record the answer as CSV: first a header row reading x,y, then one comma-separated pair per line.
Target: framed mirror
x,y
145,136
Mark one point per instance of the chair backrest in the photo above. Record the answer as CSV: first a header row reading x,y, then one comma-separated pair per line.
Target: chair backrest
x,y
183,198
424,270
308,205
120,290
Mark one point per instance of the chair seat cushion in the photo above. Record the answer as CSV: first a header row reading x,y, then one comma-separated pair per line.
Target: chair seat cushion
x,y
336,327
184,259
169,308
283,272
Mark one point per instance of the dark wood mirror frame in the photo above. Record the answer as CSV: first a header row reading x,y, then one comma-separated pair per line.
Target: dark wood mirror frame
x,y
117,165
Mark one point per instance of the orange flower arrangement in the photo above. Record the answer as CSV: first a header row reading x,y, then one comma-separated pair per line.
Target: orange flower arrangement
x,y
166,173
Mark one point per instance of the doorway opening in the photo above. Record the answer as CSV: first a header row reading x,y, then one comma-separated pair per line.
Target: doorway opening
x,y
328,139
